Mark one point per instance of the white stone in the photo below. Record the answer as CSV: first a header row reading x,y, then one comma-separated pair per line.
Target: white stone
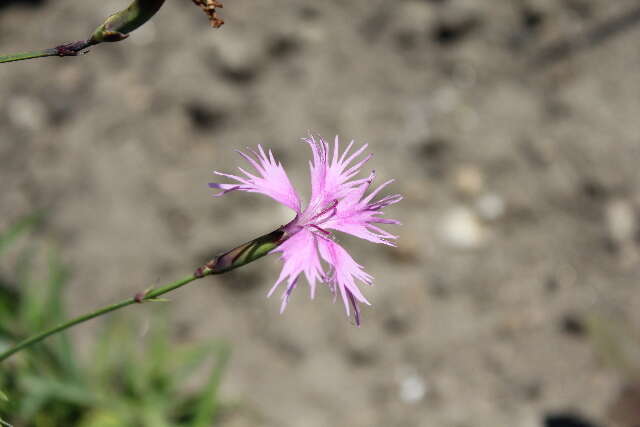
x,y
461,228
490,207
27,112
469,180
621,220
412,389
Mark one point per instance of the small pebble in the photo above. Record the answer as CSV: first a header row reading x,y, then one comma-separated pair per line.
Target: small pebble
x,y
621,220
462,229
27,112
469,180
490,207
412,389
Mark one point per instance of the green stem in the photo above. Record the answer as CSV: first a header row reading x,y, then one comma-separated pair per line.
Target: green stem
x,y
227,261
27,55
115,28
68,49
66,325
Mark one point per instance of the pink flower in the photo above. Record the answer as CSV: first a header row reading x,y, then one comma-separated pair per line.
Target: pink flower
x,y
338,202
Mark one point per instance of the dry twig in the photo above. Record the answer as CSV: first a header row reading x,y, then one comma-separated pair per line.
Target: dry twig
x,y
209,7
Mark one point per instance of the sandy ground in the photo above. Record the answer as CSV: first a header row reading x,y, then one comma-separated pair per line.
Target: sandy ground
x,y
511,127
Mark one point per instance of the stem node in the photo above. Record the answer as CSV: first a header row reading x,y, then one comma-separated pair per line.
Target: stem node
x,y
230,260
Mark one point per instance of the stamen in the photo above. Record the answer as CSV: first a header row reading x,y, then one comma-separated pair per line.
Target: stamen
x,y
327,209
327,233
356,309
287,294
384,202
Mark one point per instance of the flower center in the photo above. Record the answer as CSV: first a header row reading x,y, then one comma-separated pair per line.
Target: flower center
x,y
314,222
327,213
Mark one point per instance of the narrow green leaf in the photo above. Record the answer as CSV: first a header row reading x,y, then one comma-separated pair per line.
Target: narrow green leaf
x,y
55,313
207,405
30,304
190,359
59,390
18,229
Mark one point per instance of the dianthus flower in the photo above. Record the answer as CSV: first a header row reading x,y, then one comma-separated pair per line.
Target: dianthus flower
x,y
338,203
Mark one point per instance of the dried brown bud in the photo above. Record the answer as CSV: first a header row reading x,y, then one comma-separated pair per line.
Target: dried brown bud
x,y
209,7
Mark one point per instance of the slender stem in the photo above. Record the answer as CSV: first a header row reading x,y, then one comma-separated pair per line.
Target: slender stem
x,y
115,28
66,325
67,49
227,261
27,55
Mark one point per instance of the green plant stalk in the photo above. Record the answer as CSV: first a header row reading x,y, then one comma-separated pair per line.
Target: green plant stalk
x,y
228,261
81,319
28,55
115,28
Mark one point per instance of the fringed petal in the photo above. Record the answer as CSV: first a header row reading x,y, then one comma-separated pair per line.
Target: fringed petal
x,y
271,179
356,214
330,178
338,202
299,255
345,273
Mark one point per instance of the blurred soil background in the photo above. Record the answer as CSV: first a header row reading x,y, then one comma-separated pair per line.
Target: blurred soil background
x,y
511,127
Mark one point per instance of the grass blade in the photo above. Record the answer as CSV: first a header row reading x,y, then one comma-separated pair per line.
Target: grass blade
x,y
18,229
207,405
